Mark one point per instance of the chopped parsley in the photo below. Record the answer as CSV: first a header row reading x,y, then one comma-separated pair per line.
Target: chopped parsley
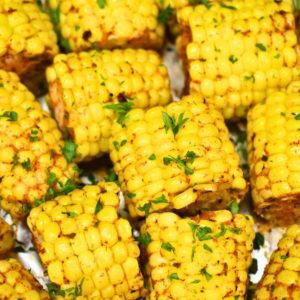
x,y
258,241
98,207
70,214
234,207
297,117
145,208
168,247
284,257
161,199
174,276
261,47
224,5
181,162
101,3
206,3
222,232
144,239
131,195
54,13
233,59
122,109
207,248
250,78
171,123
112,177
208,276
277,56
152,157
165,14
11,116
253,269
193,253
195,281
51,178
26,164
69,150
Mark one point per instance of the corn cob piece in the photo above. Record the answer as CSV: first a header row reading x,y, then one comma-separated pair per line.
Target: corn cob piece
x,y
273,152
82,85
6,238
281,276
177,157
27,40
84,245
206,257
32,163
83,25
235,53
17,283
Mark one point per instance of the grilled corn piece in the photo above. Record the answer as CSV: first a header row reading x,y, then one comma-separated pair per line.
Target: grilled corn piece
x,y
6,238
83,85
17,283
177,157
32,165
206,257
84,245
281,277
27,40
273,148
84,25
235,53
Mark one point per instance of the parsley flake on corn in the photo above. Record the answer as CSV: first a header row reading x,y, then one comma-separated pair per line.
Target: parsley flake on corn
x,y
195,163
182,265
89,90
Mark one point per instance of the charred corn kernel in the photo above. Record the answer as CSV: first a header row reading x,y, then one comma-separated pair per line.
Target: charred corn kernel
x,y
6,237
177,269
32,162
98,255
177,157
273,136
234,54
27,41
80,97
17,283
107,24
281,276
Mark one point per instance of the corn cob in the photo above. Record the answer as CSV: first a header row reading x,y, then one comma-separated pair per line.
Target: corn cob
x,y
84,25
17,283
27,40
176,157
205,257
235,53
6,238
273,147
281,276
32,165
82,85
85,246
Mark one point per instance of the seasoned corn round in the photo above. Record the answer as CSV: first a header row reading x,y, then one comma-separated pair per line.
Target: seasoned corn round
x,y
32,164
27,40
237,53
83,25
6,238
177,157
17,283
83,85
205,257
85,246
281,276
273,147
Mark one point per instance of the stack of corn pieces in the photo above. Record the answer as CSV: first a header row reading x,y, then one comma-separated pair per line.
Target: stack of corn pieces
x,y
174,162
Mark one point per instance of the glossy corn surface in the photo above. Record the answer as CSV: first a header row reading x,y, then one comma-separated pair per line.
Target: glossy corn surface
x,y
206,257
27,40
32,164
177,157
82,85
17,283
273,149
83,243
236,53
6,238
107,24
281,277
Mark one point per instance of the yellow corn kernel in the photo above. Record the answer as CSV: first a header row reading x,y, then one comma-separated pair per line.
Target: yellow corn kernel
x,y
6,237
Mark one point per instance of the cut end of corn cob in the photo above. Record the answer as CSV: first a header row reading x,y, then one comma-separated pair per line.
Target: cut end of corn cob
x,y
17,283
281,277
90,89
32,163
83,25
235,53
83,243
27,41
6,238
273,132
177,157
206,257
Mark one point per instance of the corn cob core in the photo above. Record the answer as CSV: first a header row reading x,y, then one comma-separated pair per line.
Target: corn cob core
x,y
237,53
81,84
177,157
30,149
108,24
6,238
81,240
27,40
205,257
17,283
281,277
273,147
